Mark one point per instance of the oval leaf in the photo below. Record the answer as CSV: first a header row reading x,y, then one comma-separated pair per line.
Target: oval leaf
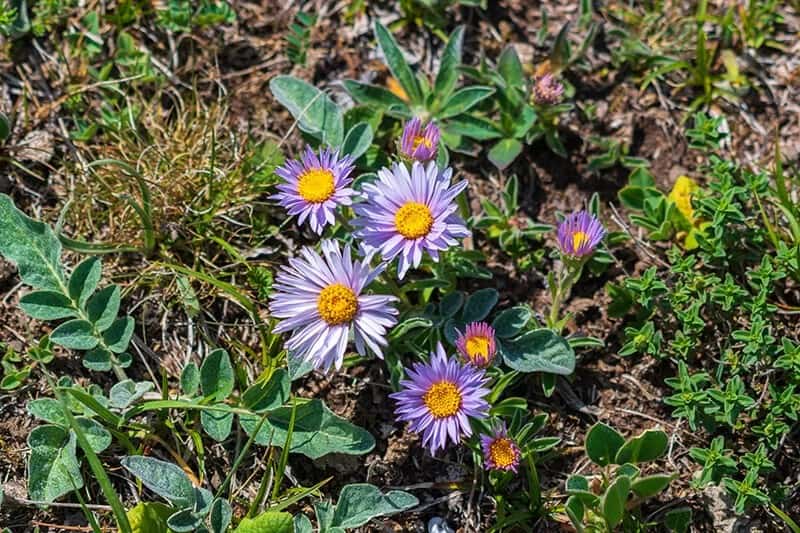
x,y
540,350
103,307
316,113
75,334
650,445
46,305
165,479
216,375
602,444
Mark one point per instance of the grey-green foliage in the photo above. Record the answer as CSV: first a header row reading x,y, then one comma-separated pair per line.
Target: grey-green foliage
x,y
622,487
358,504
54,467
89,316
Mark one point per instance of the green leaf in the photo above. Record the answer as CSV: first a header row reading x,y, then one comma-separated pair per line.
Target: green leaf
x,y
479,305
84,280
216,375
32,246
184,521
376,96
649,486
650,445
575,510
679,519
149,517
98,437
75,334
265,395
540,350
510,67
511,321
316,113
98,360
53,468
612,504
317,431
103,307
49,410
447,77
165,479
125,393
504,152
463,100
118,336
357,140
397,63
220,515
578,487
46,305
359,503
217,424
190,379
302,524
5,127
602,444
270,521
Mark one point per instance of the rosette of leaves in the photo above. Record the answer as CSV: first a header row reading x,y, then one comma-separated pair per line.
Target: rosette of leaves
x,y
87,317
456,111
612,499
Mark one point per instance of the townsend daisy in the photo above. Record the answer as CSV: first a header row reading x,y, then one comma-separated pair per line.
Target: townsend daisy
x,y
407,213
419,143
477,344
439,397
500,452
319,299
579,234
314,186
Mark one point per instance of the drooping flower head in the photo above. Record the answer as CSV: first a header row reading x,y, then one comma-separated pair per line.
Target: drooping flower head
x,y
500,452
408,213
477,344
314,186
547,90
579,234
320,299
439,397
419,143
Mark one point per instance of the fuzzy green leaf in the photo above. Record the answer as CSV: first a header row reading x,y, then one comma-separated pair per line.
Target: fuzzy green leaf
x,y
118,336
165,479
511,321
479,304
602,443
53,468
49,410
103,307
447,77
650,445
357,140
75,334
46,305
216,375
272,522
217,424
267,395
540,350
463,100
649,486
397,63
316,113
124,393
84,280
190,379
613,502
504,152
149,517
359,503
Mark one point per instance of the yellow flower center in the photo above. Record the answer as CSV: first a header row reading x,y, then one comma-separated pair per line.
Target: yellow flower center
x,y
579,238
316,185
413,220
502,452
337,304
443,399
419,139
478,347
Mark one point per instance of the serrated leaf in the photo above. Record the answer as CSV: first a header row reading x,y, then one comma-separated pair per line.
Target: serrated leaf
x,y
53,468
165,479
46,305
479,304
271,521
32,246
118,336
266,395
397,63
216,375
103,307
359,503
149,517
217,424
84,280
75,334
317,431
540,350
511,322
650,445
316,113
190,379
602,443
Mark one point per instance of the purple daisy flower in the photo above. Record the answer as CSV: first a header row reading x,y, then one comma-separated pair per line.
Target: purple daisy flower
x,y
499,451
419,143
408,213
314,186
319,299
547,90
439,398
477,344
579,234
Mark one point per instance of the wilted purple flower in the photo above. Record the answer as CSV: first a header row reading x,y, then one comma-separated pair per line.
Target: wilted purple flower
x,y
579,234
406,214
418,143
314,186
547,90
439,397
499,451
320,300
477,344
